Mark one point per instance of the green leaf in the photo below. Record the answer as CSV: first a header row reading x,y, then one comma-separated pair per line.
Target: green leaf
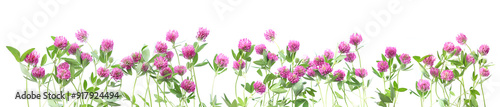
x,y
402,89
201,64
455,62
384,98
25,54
71,61
234,104
145,54
259,72
24,69
85,84
338,95
417,58
298,87
44,60
14,52
198,49
299,102
277,89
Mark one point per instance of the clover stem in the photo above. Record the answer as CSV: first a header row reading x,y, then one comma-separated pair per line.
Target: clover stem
x,y
27,101
133,91
345,99
321,93
482,93
212,93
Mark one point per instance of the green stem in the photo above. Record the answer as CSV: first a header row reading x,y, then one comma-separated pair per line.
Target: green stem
x,y
157,89
482,93
334,95
40,99
321,93
195,81
149,90
235,86
359,57
27,100
345,96
421,102
397,93
212,92
133,91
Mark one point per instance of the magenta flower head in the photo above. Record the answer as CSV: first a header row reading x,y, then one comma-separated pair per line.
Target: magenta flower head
x,y
63,65
107,45
293,46
300,70
350,57
306,59
202,34
390,52
32,58
284,71
470,59
161,47
293,77
260,49
188,86
458,50
188,52
423,85
73,48
245,45
259,87
382,66
38,72
181,70
81,35
270,35
63,74
447,75
145,67
405,58
361,72
169,55
340,75
484,72
329,54
86,56
238,65
355,39
448,47
221,60
167,72
325,69
160,62
434,72
272,57
103,72
127,62
172,35
429,61
310,72
484,49
461,39
116,74
136,56
60,42
319,60
344,47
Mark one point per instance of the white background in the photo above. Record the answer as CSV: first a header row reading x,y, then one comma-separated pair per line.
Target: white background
x,y
416,27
